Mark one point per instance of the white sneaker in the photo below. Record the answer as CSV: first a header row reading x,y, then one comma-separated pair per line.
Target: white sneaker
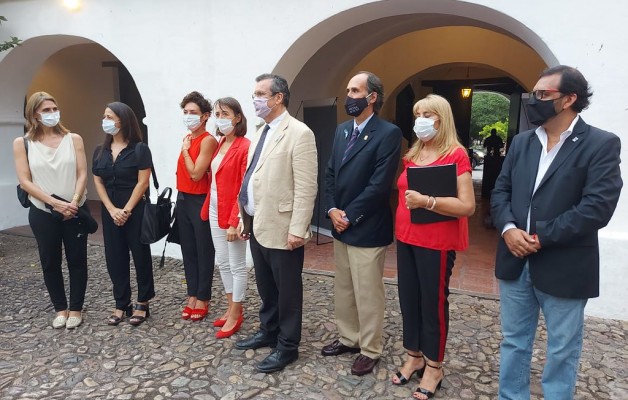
x,y
73,322
59,321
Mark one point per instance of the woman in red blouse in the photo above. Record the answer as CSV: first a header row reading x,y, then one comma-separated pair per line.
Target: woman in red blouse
x,y
221,208
426,252
193,184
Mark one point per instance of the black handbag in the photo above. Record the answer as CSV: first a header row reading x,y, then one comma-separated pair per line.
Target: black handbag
x,y
157,218
85,216
22,195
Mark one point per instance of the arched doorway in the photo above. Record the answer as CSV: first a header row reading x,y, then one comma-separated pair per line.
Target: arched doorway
x,y
407,43
82,75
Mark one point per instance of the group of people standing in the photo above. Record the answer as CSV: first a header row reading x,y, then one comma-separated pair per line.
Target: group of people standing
x,y
232,189
51,167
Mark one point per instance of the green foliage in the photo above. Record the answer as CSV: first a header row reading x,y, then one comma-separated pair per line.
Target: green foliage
x,y
8,44
500,126
487,108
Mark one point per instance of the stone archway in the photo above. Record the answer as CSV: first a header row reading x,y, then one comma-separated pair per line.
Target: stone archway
x,y
81,74
397,40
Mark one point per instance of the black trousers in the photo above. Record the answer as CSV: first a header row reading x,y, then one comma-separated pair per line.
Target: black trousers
x,y
280,286
119,240
423,283
51,234
197,247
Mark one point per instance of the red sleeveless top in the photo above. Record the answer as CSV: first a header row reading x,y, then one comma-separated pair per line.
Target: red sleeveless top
x,y
185,183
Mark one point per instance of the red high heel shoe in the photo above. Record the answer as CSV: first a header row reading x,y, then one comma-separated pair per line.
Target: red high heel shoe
x,y
198,314
186,313
219,323
225,334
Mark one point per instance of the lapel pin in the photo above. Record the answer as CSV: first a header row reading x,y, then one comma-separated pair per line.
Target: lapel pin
x,y
366,137
575,139
346,133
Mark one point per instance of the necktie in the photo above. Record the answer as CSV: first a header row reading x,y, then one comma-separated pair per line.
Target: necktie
x,y
354,137
244,195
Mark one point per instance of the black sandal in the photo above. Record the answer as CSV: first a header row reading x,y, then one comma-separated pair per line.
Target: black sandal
x,y
114,320
426,392
403,380
136,320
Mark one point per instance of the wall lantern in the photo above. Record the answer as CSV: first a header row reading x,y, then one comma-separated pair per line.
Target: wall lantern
x,y
466,93
72,4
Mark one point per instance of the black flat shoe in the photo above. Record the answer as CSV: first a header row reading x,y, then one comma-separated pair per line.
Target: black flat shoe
x,y
426,392
114,320
419,372
136,320
277,360
257,340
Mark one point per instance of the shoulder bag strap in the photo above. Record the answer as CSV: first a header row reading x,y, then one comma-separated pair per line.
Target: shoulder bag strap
x,y
152,167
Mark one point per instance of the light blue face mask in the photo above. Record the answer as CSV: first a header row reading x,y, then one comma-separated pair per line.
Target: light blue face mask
x,y
50,119
424,129
109,127
191,121
224,125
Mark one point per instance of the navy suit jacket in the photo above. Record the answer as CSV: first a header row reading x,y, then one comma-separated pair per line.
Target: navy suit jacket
x,y
361,184
576,198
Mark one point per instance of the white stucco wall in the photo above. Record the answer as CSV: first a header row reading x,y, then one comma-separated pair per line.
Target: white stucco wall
x,y
171,49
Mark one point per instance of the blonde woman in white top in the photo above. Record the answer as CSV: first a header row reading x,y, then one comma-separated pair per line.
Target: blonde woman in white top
x,y
55,165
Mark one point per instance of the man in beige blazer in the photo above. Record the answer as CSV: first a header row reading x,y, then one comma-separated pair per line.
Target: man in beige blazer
x,y
276,206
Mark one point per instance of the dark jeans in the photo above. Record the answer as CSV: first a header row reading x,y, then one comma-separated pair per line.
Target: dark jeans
x,y
197,247
118,241
280,286
52,233
423,283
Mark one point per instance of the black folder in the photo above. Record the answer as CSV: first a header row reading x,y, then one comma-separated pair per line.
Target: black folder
x,y
435,181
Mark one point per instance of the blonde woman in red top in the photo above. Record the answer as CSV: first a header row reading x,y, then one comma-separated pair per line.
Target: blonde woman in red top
x,y
221,208
426,252
193,185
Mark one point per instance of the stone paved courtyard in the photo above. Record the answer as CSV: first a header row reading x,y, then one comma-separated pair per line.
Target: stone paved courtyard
x,y
170,358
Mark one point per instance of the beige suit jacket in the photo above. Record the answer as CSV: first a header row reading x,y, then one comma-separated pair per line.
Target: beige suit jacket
x,y
284,185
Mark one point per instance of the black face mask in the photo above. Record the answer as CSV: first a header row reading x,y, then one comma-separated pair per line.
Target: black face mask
x,y
354,107
539,111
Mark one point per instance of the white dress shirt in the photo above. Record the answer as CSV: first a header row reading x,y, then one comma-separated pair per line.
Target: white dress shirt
x,y
544,162
250,208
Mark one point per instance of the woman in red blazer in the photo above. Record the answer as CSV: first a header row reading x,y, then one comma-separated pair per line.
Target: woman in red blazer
x,y
221,208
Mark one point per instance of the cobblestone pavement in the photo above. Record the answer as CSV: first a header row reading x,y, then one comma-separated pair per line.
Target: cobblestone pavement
x,y
170,358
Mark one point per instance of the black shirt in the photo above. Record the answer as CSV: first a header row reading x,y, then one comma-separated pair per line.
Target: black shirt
x,y
121,175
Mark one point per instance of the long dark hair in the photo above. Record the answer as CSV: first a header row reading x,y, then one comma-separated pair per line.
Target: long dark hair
x,y
129,127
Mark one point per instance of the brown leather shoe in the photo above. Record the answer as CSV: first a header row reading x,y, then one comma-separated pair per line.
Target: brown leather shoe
x,y
336,348
363,365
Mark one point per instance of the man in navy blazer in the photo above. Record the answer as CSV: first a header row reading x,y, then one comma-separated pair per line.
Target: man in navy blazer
x,y
559,185
358,181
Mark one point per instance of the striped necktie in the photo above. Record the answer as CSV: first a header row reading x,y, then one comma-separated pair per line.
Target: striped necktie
x,y
354,138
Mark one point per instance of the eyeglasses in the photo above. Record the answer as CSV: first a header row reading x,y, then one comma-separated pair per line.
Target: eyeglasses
x,y
262,94
542,94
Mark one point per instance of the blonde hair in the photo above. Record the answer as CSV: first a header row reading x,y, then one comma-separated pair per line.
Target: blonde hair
x,y
446,139
33,125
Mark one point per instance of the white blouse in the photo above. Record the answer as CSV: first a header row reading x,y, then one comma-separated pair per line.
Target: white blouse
x,y
53,170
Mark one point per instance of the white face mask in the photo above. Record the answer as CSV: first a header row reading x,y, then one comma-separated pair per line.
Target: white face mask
x,y
109,127
224,125
50,119
191,121
424,129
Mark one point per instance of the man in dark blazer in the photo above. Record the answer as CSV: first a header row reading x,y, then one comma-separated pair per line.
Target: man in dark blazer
x,y
358,182
559,185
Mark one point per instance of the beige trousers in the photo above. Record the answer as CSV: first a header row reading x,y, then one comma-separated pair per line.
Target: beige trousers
x,y
359,297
